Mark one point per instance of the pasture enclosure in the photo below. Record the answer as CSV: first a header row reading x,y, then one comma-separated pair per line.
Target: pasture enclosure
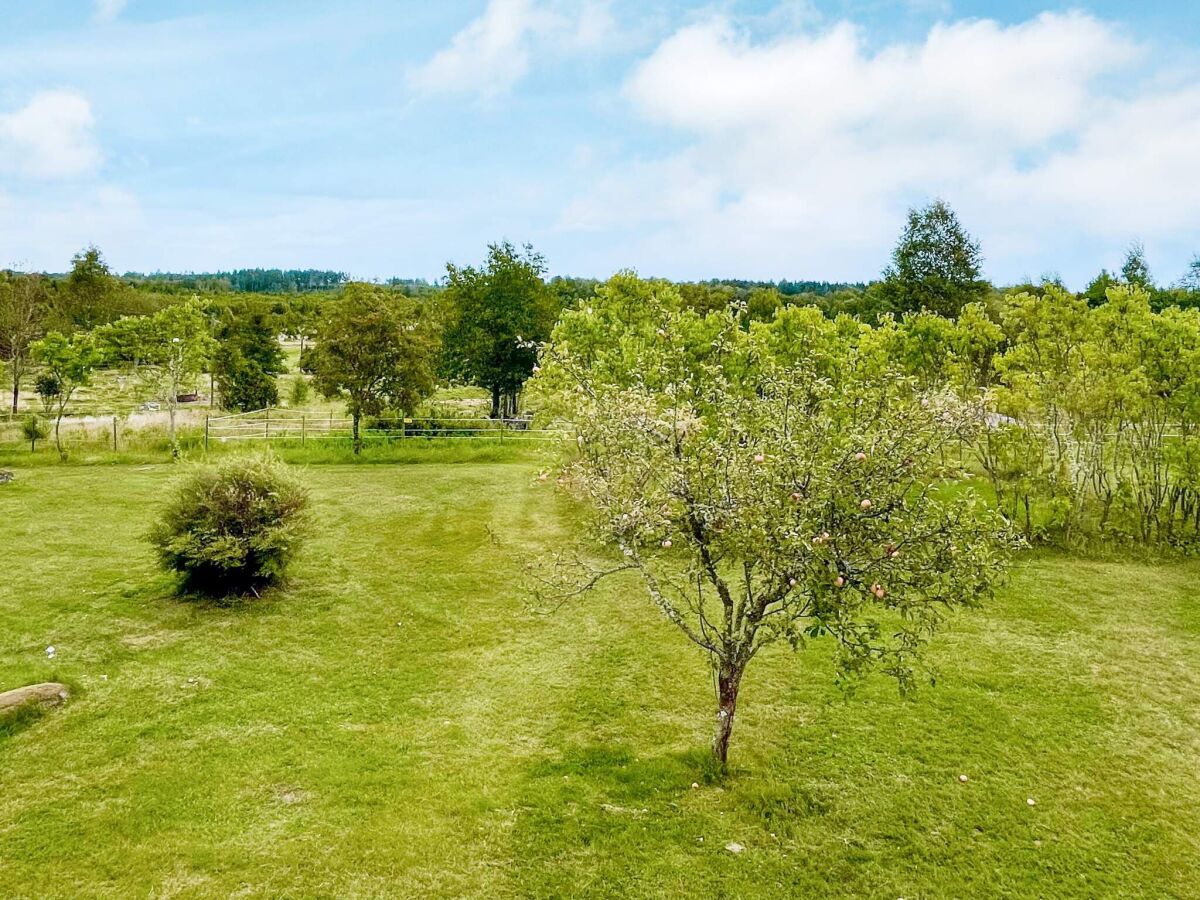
x,y
269,425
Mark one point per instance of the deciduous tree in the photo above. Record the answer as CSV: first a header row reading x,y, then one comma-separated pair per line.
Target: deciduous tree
x,y
376,349
67,363
759,503
167,351
936,264
90,295
497,314
23,309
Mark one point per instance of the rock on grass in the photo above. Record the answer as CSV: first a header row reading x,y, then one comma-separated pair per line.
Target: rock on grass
x,y
50,693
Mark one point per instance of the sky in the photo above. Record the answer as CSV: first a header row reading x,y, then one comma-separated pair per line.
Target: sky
x,y
759,139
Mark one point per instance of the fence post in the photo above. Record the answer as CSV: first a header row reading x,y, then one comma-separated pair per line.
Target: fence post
x,y
267,425
303,428
114,434
206,418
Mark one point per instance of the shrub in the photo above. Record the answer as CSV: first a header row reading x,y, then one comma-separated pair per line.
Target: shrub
x,y
233,528
298,393
33,429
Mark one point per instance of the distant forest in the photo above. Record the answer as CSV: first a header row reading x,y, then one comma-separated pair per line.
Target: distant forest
x,y
790,288
247,281
299,281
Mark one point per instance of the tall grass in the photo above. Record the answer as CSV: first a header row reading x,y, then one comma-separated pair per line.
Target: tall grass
x,y
152,447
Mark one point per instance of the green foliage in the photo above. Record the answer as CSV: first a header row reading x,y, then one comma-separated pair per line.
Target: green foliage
x,y
376,348
497,315
768,490
167,350
936,264
1096,292
49,388
233,528
90,295
33,429
242,383
268,281
247,361
1100,410
1135,272
24,306
67,365
1190,282
298,391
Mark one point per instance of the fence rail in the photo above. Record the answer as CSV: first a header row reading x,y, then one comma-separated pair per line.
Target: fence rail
x,y
292,425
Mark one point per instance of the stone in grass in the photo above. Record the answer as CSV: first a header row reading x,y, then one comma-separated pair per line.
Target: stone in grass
x,y
734,847
6,476
50,693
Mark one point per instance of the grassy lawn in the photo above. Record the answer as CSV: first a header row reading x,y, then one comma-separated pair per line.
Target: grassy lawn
x,y
398,723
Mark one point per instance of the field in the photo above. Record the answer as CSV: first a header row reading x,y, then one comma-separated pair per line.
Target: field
x,y
399,722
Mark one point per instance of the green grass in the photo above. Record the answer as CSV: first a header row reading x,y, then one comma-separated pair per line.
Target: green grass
x,y
398,723
326,452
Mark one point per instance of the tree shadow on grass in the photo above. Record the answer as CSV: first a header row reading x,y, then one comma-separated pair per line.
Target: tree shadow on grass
x,y
615,769
265,598
599,795
600,820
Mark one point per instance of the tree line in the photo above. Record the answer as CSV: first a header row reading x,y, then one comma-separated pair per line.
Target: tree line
x,y
254,281
483,325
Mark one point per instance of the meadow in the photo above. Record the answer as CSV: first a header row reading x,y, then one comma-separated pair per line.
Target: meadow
x,y
401,721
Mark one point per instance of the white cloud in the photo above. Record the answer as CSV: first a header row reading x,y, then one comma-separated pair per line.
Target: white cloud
x,y
493,52
801,152
50,137
107,10
1027,82
1130,171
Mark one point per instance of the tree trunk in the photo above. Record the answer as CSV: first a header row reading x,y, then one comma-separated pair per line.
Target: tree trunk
x,y
16,391
729,680
357,437
171,428
495,401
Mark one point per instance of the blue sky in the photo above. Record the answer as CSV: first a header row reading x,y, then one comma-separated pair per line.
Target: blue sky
x,y
692,140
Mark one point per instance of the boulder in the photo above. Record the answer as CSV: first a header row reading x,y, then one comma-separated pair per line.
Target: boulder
x,y
6,476
51,693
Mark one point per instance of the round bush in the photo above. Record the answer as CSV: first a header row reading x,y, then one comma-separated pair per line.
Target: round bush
x,y
233,528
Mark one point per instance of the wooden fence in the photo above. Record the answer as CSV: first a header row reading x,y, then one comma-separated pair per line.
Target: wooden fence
x,y
302,426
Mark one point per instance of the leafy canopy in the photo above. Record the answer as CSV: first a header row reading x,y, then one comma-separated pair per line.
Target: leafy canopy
x,y
936,264
767,490
497,314
376,348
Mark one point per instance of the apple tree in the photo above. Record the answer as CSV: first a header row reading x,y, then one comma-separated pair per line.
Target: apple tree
x,y
762,498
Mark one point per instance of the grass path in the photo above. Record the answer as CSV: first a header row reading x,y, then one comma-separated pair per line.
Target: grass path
x,y
398,723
